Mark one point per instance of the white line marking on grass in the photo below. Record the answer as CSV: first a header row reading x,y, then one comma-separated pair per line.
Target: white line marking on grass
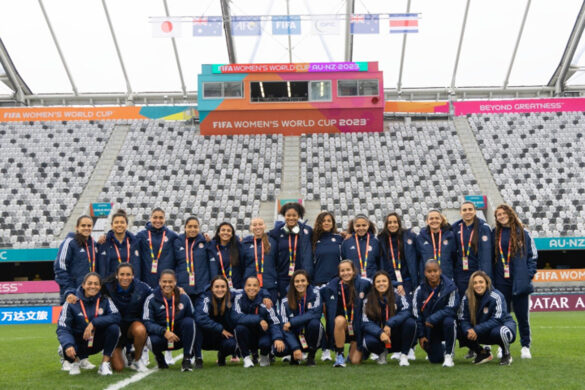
x,y
559,327
136,377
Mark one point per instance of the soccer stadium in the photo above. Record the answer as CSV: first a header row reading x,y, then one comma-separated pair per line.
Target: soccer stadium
x,y
191,189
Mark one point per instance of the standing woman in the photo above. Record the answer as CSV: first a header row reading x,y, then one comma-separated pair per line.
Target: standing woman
x,y
473,238
88,326
258,253
224,254
216,320
120,246
387,321
128,294
398,255
343,298
168,316
301,318
484,319
362,246
326,249
435,304
293,245
515,266
436,241
156,248
76,257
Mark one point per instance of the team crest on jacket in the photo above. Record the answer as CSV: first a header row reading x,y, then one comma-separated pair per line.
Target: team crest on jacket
x,y
166,239
485,310
362,295
409,241
136,252
181,306
310,305
369,248
201,245
484,238
445,242
352,247
100,311
306,231
333,239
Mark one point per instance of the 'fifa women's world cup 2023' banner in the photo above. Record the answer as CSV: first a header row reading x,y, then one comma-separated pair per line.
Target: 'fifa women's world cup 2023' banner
x,y
47,114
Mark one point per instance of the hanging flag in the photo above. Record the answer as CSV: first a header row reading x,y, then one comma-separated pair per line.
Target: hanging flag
x,y
166,27
284,25
365,24
207,26
246,25
403,23
325,25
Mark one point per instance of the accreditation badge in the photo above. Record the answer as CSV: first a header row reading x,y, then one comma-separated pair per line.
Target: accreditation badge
x,y
465,263
191,279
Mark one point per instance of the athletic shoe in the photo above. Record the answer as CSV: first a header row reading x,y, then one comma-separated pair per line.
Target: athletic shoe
x,y
381,359
339,360
248,362
303,357
506,360
374,357
75,369
145,357
286,358
105,369
326,355
403,362
138,365
525,353
483,357
60,353
186,365
264,360
395,356
448,362
160,361
294,362
85,364
169,358
499,354
411,355
66,365
220,359
470,355
198,363
310,361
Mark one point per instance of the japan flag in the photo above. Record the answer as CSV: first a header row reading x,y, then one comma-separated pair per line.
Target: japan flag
x,y
166,27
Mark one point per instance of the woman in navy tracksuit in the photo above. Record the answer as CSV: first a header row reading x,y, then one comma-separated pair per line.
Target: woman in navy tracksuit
x,y
387,321
326,249
224,252
76,257
362,246
514,269
342,298
435,304
156,248
437,241
484,319
89,326
169,319
119,246
128,294
293,245
216,319
258,254
301,317
257,326
398,255
473,239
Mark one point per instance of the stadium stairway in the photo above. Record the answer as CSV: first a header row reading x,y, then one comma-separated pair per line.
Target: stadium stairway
x,y
479,167
99,177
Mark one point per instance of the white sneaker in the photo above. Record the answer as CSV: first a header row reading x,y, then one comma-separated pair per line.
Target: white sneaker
x,y
403,362
395,356
373,356
411,355
448,361
169,358
525,353
286,358
145,357
85,364
248,362
326,355
105,369
382,358
66,365
304,356
499,355
74,370
138,365
264,360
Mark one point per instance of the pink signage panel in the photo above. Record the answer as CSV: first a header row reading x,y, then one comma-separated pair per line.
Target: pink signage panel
x,y
557,302
44,286
521,105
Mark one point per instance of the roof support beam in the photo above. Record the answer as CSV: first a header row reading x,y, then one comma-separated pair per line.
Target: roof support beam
x,y
56,41
227,28
507,79
349,10
13,81
404,36
460,44
174,42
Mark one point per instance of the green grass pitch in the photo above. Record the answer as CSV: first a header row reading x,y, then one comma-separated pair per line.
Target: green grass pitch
x,y
29,361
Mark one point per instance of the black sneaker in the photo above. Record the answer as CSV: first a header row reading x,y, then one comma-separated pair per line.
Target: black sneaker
x,y
198,363
506,360
160,361
255,358
186,365
311,358
220,359
294,362
483,357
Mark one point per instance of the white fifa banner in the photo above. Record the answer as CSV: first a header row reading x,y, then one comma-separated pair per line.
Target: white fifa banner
x,y
166,27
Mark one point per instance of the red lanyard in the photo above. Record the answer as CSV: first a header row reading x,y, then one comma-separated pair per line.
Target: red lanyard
x,y
364,265
462,244
292,255
344,304
502,252
189,252
162,243
427,301
171,323
260,269
127,250
435,247
97,306
91,259
221,264
392,252
302,309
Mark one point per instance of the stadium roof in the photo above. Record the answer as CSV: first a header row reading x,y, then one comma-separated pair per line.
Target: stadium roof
x,y
78,52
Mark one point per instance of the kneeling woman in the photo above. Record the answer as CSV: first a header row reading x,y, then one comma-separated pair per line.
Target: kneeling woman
x,y
435,308
301,317
216,320
343,298
257,326
387,323
484,319
129,295
168,316
88,326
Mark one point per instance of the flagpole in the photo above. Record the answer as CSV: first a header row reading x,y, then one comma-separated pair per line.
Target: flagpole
x,y
288,25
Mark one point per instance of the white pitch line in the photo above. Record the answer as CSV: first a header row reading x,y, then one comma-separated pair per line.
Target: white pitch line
x,y
136,377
